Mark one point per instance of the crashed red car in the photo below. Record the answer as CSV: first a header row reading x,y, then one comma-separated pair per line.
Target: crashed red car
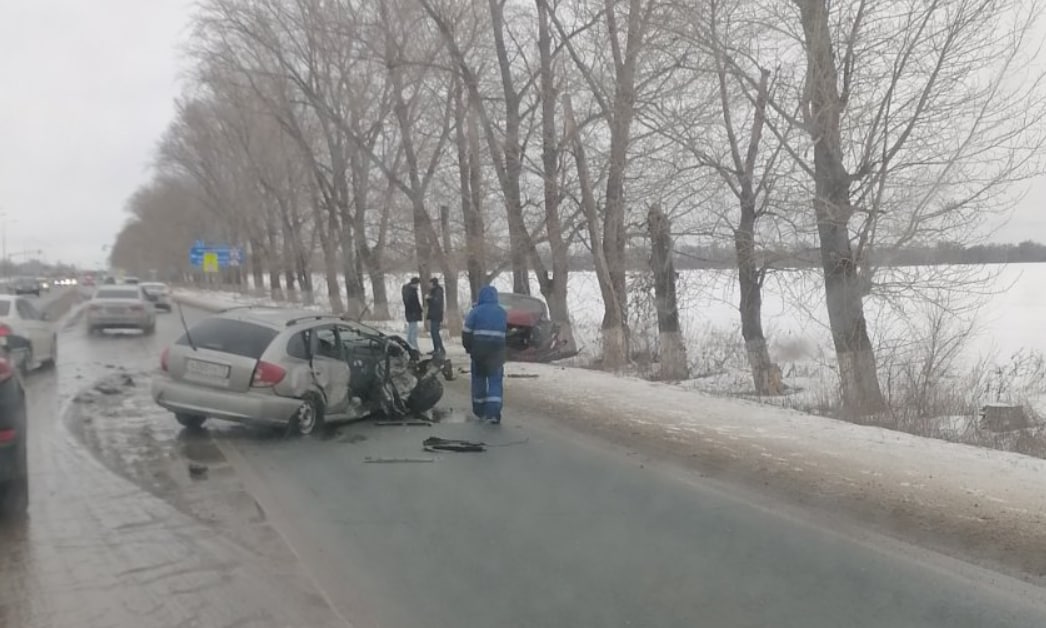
x,y
532,335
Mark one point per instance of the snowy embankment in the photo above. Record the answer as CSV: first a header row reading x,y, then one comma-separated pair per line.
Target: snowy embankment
x,y
973,502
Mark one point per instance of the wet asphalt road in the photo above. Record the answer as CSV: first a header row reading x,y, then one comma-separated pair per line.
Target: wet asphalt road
x,y
552,529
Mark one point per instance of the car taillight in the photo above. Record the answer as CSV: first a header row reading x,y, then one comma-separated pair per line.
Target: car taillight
x,y
163,359
7,436
5,330
267,374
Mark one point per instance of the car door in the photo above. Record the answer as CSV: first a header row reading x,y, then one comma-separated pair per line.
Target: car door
x,y
38,330
329,367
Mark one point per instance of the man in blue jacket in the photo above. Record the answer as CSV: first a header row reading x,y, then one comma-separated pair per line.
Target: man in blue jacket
x,y
484,340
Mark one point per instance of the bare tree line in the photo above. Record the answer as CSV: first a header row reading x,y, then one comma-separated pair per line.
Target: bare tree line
x,y
352,138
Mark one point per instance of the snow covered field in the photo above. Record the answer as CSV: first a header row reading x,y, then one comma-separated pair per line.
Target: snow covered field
x,y
987,321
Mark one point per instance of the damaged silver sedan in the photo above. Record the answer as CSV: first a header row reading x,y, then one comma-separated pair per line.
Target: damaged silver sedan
x,y
293,369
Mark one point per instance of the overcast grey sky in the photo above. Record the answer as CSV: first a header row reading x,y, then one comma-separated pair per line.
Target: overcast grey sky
x,y
86,90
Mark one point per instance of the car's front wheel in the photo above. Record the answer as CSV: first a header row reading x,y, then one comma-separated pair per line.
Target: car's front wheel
x,y
309,417
191,421
425,395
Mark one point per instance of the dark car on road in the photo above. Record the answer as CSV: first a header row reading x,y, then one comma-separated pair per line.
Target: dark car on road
x,y
14,474
27,285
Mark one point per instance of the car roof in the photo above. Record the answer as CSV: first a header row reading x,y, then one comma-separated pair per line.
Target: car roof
x,y
276,317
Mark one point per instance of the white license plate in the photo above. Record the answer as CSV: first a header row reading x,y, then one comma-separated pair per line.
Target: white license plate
x,y
207,369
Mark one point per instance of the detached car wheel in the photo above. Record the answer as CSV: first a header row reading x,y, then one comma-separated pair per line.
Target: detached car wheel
x,y
309,417
425,395
191,421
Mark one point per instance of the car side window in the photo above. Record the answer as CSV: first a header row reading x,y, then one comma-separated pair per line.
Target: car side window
x,y
327,343
27,311
298,345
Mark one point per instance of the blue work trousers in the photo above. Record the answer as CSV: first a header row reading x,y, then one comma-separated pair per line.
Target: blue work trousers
x,y
487,391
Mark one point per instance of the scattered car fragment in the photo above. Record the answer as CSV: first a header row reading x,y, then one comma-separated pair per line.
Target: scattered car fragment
x,y
292,368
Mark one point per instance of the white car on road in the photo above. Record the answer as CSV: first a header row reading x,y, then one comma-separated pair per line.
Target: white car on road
x,y
120,307
20,318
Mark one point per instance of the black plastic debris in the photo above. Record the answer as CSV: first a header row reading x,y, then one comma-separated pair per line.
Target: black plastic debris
x,y
197,471
435,443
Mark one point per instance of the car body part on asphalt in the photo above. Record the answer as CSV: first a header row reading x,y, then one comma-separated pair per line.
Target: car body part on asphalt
x,y
435,443
34,338
120,307
14,471
291,368
159,294
532,336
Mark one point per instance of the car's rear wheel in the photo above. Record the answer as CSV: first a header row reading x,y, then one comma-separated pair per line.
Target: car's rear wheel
x,y
53,360
14,493
14,497
27,361
425,395
191,421
309,417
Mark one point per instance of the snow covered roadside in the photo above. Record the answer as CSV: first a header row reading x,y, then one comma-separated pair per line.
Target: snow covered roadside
x,y
975,503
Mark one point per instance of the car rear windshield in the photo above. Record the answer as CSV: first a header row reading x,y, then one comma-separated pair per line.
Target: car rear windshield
x,y
5,308
112,293
229,336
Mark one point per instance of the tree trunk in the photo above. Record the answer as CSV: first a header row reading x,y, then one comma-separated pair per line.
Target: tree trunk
x,y
670,338
453,322
328,243
258,256
554,287
469,177
765,374
614,341
844,292
355,296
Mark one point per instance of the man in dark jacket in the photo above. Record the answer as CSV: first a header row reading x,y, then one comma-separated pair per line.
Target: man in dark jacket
x,y
484,339
412,310
435,316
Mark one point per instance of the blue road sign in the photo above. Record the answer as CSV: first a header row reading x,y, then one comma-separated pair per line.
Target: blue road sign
x,y
228,256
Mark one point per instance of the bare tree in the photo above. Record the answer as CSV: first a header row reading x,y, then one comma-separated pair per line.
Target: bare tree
x,y
915,129
627,25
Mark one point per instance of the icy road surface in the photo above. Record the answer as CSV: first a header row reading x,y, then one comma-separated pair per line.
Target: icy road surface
x,y
553,529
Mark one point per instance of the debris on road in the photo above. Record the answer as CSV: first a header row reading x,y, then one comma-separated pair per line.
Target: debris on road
x,y
415,422
395,460
435,443
107,389
197,471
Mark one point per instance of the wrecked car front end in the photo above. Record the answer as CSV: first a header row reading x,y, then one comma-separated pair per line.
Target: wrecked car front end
x,y
531,335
